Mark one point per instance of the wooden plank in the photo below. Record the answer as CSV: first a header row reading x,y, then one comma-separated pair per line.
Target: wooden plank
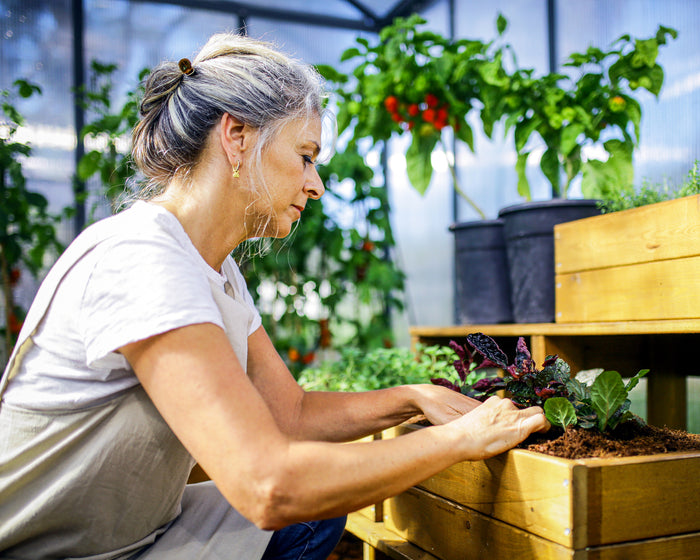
x,y
450,531
581,503
641,292
430,335
520,487
495,488
636,498
667,385
681,547
378,537
667,230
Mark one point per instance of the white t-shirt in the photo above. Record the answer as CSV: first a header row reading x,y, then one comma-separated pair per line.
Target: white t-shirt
x,y
144,282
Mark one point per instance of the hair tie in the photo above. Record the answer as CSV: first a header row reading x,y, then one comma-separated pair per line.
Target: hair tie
x,y
185,66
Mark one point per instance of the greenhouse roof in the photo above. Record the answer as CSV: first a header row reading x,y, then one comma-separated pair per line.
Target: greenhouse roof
x,y
367,15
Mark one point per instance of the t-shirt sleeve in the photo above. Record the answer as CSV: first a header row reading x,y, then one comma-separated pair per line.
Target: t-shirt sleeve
x,y
140,288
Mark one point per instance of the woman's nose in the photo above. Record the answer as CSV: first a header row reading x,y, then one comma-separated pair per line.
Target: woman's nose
x,y
314,186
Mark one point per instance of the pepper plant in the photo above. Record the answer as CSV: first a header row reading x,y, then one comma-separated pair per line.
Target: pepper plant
x,y
27,228
596,105
417,82
601,403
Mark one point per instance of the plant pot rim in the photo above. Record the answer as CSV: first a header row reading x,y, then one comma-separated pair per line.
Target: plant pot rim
x,y
549,203
476,224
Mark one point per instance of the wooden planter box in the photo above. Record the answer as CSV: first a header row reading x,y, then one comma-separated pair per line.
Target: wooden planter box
x,y
638,264
523,504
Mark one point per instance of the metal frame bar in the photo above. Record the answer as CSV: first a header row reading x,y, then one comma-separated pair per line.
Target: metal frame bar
x,y
371,22
78,23
245,11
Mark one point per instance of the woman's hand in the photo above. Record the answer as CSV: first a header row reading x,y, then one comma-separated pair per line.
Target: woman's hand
x,y
498,425
441,405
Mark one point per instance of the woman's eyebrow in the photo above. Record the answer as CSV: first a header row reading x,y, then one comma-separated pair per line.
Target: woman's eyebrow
x,y
314,145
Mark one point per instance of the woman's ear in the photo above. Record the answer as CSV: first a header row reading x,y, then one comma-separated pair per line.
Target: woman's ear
x,y
235,136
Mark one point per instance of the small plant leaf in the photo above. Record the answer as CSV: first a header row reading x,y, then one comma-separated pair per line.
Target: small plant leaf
x,y
632,383
560,412
608,393
488,348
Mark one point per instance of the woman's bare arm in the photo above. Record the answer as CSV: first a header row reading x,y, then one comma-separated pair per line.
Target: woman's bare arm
x,y
194,379
336,416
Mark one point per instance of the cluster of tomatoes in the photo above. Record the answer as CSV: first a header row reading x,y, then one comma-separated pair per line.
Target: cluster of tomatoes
x,y
430,112
295,355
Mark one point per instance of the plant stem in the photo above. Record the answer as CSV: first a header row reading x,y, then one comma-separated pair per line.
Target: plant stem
x,y
455,182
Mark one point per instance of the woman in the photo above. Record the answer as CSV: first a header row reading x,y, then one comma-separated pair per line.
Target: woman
x,y
143,353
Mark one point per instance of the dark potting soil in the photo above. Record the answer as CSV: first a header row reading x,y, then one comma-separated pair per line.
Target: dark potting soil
x,y
628,439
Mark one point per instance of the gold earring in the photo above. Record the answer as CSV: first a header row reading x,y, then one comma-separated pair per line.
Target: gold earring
x,y
236,174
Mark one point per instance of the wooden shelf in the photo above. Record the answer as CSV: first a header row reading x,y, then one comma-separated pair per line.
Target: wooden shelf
x,y
671,326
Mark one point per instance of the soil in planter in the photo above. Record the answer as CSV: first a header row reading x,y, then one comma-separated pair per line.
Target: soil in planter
x,y
629,439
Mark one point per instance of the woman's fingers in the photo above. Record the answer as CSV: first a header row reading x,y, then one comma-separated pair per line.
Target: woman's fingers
x,y
499,425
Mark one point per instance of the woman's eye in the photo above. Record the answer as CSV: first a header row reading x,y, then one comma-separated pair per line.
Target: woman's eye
x,y
307,160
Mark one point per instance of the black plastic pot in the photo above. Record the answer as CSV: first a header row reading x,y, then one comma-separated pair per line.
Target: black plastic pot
x,y
528,229
482,291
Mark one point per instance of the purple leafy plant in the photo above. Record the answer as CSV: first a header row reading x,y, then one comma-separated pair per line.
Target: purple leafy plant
x,y
602,404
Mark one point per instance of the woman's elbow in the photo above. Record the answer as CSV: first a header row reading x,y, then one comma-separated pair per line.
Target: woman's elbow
x,y
268,504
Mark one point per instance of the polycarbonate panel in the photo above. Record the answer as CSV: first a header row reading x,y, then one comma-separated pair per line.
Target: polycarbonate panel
x,y
36,45
670,137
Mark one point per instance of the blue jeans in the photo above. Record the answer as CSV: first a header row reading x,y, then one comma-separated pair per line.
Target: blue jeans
x,y
314,540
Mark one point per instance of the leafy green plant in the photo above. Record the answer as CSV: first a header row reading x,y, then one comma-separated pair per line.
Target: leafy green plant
x,y
602,403
650,193
27,228
420,83
344,271
110,130
595,107
357,369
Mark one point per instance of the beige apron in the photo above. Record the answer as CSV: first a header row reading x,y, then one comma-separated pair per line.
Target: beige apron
x,y
99,482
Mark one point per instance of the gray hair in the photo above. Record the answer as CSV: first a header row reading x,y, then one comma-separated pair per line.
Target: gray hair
x,y
247,78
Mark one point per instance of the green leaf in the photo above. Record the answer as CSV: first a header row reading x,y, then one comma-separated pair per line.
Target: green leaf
x,y
523,184
601,178
645,52
331,74
560,412
501,24
89,164
632,383
608,393
569,136
25,88
466,135
550,167
352,52
418,164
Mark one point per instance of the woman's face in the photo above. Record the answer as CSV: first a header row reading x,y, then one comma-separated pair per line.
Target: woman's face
x,y
290,175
